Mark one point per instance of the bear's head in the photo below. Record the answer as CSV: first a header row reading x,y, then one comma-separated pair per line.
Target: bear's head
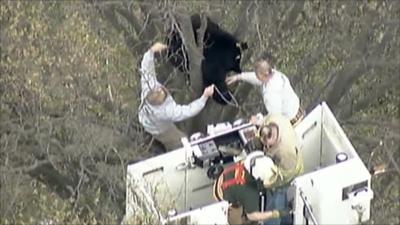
x,y
222,48
240,47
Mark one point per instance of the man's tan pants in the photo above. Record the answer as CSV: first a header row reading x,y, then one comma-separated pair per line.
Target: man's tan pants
x,y
171,138
236,216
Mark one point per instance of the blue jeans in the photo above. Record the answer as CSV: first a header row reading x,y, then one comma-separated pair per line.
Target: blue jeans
x,y
277,199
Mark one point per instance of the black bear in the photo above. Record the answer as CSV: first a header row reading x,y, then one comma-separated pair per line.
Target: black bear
x,y
222,53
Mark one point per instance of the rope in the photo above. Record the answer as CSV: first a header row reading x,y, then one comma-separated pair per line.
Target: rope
x,y
234,104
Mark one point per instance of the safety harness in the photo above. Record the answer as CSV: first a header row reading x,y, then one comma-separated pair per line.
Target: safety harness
x,y
239,177
222,184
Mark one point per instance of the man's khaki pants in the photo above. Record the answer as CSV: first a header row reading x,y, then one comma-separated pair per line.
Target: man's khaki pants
x,y
236,216
171,138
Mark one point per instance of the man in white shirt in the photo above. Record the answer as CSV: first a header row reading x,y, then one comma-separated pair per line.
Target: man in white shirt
x,y
158,110
278,95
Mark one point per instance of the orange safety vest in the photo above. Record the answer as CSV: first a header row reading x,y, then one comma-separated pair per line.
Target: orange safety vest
x,y
238,179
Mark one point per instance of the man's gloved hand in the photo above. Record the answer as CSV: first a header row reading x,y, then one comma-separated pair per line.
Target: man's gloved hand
x,y
281,213
209,91
158,47
284,212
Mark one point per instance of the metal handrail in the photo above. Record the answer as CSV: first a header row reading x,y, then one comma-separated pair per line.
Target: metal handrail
x,y
308,208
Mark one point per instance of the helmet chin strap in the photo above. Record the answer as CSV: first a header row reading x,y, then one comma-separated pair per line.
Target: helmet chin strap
x,y
262,196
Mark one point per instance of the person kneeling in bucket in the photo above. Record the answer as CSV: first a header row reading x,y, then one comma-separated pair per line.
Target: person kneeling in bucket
x,y
243,186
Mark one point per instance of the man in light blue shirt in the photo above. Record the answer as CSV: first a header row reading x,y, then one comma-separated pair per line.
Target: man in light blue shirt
x,y
158,110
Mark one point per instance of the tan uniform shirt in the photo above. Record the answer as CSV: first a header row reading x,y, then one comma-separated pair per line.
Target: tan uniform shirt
x,y
285,153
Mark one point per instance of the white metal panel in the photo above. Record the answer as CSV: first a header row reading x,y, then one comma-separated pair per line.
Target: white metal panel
x,y
199,188
166,184
215,213
180,189
309,133
335,134
324,189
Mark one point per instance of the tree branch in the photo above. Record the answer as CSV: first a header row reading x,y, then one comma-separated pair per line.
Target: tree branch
x,y
391,158
132,19
318,96
43,171
246,18
153,16
108,12
375,121
194,53
367,98
292,15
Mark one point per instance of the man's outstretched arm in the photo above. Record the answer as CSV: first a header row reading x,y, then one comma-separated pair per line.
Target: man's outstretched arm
x,y
148,78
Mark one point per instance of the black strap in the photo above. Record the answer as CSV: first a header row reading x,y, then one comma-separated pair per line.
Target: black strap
x,y
305,215
262,201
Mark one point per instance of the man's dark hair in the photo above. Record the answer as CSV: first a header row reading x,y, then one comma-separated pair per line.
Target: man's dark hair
x,y
266,56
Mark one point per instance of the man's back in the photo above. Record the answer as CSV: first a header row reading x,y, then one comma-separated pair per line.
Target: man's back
x,y
286,152
279,89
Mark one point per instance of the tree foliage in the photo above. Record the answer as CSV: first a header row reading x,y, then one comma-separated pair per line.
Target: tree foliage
x,y
69,91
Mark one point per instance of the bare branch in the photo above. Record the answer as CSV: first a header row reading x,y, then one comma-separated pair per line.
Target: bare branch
x,y
34,166
343,82
367,98
380,122
292,14
318,96
392,160
307,63
132,19
246,18
108,12
154,19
